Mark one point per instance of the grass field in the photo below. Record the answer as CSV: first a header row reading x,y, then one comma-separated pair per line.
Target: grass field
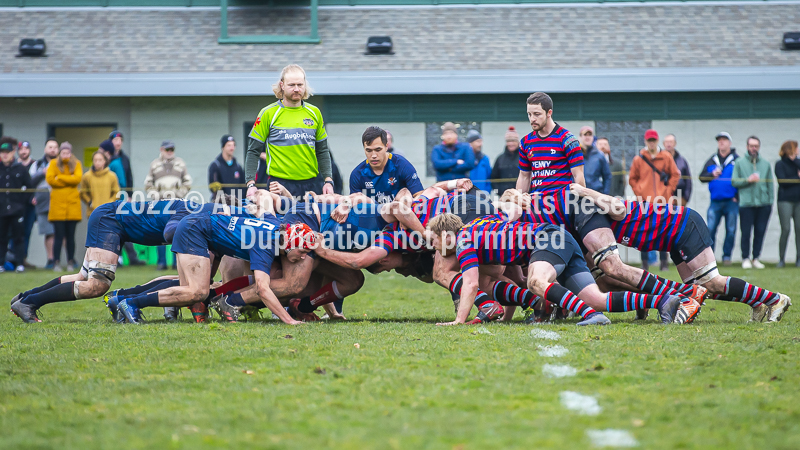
x,y
79,381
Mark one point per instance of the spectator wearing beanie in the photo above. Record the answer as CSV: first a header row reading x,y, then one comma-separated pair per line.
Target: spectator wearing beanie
x,y
99,185
506,166
225,170
452,159
13,175
64,174
483,168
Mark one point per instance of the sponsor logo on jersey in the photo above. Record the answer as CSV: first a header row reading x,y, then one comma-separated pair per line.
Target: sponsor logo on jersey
x,y
232,223
236,174
369,185
414,177
392,181
625,239
308,122
258,121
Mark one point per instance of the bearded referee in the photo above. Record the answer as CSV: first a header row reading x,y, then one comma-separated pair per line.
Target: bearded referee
x,y
291,132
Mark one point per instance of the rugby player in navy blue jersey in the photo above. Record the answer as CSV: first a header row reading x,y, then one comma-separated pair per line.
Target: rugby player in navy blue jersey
x,y
683,233
110,227
200,240
382,175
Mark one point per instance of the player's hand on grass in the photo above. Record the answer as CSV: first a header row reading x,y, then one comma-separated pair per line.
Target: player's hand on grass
x,y
447,324
293,322
336,316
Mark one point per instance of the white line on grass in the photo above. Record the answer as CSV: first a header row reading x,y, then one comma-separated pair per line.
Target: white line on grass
x,y
612,438
545,334
582,404
552,351
559,371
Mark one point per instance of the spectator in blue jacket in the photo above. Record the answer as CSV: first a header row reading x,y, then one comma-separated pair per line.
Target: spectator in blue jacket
x,y
483,167
452,159
596,170
718,173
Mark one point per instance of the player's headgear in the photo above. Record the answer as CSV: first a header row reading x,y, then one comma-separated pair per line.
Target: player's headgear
x,y
300,235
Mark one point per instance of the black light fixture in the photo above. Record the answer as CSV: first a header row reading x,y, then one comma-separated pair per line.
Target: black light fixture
x,y
32,47
379,45
791,40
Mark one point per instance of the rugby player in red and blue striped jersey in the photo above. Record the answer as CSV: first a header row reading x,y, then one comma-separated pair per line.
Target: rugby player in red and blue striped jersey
x,y
554,256
549,157
682,232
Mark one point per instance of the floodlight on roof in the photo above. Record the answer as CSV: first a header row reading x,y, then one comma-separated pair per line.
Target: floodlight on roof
x,y
32,47
379,45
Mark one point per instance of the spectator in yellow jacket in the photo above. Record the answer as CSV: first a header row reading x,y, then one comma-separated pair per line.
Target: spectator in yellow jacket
x,y
64,174
99,185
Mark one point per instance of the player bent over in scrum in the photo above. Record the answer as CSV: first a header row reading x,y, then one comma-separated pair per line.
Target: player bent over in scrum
x,y
202,238
110,226
645,226
554,255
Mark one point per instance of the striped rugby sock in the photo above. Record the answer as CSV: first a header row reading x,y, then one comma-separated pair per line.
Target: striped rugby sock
x,y
508,294
654,284
562,297
738,290
629,301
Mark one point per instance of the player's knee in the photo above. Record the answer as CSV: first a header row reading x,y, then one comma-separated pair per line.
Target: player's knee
x,y
200,294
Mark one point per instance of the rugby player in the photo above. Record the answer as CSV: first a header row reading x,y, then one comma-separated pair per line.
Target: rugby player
x,y
202,239
554,256
682,232
382,175
549,157
592,230
110,227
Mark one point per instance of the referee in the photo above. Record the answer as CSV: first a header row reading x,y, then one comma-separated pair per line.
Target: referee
x,y
291,132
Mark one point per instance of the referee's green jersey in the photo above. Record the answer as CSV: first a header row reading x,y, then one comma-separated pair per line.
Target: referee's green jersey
x,y
290,136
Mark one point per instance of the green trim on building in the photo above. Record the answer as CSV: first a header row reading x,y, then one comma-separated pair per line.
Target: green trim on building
x,y
624,106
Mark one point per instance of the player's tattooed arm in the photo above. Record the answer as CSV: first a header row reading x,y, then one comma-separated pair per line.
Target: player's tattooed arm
x,y
270,300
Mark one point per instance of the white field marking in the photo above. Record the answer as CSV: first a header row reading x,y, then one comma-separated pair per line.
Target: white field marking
x,y
482,330
545,334
582,404
559,371
552,351
612,438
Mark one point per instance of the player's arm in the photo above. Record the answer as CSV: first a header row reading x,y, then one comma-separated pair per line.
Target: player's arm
x,y
360,260
461,184
469,290
577,175
524,181
612,206
270,300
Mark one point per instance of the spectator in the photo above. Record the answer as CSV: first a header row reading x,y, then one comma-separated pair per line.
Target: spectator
x,y
390,148
717,172
167,178
225,170
616,166
506,166
382,174
299,160
752,175
99,185
12,204
483,168
787,171
595,167
684,189
29,217
64,175
119,163
452,159
121,166
653,177
41,199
